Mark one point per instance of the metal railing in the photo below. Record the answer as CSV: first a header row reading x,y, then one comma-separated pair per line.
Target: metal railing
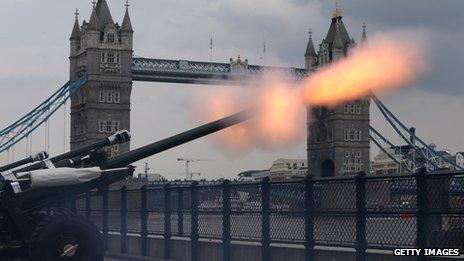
x,y
361,212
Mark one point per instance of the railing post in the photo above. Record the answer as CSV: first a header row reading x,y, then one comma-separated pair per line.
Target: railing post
x,y
104,210
421,210
123,214
88,203
265,220
167,221
360,182
309,218
226,220
194,221
180,211
144,215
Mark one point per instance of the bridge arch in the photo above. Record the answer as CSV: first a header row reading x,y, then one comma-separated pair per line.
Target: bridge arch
x,y
328,168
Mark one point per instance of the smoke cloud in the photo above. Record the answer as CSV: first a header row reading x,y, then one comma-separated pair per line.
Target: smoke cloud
x,y
380,66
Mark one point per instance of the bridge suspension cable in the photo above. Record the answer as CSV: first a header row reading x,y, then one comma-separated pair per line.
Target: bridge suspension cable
x,y
27,124
433,159
386,146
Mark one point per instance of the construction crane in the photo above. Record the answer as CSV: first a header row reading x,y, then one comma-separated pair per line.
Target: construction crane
x,y
189,175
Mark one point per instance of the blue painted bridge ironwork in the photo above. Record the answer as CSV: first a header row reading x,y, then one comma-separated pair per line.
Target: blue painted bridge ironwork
x,y
183,71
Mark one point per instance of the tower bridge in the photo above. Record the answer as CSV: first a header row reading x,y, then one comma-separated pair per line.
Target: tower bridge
x,y
103,69
194,72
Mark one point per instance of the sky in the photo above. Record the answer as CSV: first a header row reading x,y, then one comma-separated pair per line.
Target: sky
x,y
34,46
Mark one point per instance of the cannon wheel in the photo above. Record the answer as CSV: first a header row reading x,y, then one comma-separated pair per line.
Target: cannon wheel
x,y
66,236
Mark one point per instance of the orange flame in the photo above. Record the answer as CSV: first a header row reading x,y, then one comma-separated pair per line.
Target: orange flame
x,y
382,66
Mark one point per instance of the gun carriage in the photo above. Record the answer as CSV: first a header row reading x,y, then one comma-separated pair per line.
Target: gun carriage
x,y
34,225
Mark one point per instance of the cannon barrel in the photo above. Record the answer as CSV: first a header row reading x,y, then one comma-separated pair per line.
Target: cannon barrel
x,y
117,138
130,157
39,156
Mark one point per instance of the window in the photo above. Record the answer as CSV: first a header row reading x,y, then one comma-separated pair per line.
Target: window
x,y
102,97
347,108
118,58
352,161
115,126
103,57
330,135
117,97
352,109
102,126
352,135
109,97
109,127
110,57
295,166
110,38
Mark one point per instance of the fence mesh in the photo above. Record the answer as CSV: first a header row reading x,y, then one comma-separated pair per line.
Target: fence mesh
x,y
335,229
391,211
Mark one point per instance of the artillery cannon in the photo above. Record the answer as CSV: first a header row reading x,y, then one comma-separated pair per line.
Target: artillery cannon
x,y
33,222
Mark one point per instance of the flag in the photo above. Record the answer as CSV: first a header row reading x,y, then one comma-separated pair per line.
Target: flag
x,y
211,43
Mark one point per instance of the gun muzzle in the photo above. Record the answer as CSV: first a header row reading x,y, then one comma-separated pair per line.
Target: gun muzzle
x,y
117,138
39,156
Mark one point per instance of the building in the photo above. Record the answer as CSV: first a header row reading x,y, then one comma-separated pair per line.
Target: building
x,y
460,159
457,159
253,175
102,49
338,138
151,177
280,170
383,164
410,159
287,169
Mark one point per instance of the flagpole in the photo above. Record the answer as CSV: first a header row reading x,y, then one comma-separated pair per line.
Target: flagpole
x,y
211,52
264,52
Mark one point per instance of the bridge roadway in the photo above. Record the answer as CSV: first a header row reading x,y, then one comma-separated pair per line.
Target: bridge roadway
x,y
183,71
329,230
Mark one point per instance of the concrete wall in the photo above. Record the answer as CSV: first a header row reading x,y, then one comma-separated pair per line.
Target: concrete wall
x,y
211,250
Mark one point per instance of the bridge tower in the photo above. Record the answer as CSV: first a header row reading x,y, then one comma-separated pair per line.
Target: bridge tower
x,y
338,138
102,49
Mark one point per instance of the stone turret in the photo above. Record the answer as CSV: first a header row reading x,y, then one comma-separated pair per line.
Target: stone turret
x,y
104,14
338,138
102,49
337,42
75,45
92,31
310,54
126,29
364,35
338,46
